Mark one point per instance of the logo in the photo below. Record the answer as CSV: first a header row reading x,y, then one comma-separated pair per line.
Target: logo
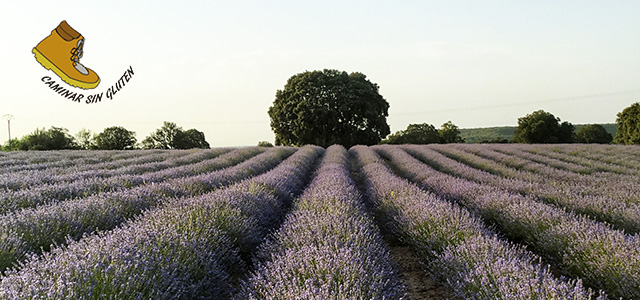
x,y
60,52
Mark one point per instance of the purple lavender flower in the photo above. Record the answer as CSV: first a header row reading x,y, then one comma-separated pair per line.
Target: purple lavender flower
x,y
327,248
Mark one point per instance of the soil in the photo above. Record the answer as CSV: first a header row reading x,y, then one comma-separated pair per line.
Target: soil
x,y
418,282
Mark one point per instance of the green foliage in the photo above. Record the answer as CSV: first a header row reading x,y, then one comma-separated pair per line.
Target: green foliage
x,y
329,107
189,139
15,145
170,136
415,134
495,141
116,138
450,133
593,134
56,138
426,134
85,139
487,134
162,138
628,126
504,134
543,128
264,144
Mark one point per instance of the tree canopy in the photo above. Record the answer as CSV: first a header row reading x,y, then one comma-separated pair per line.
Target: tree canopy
x,y
450,133
189,139
86,139
264,144
415,134
426,134
171,136
56,138
116,138
593,134
628,125
543,128
329,107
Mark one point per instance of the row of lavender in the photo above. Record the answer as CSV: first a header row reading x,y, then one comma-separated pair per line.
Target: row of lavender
x,y
587,177
577,246
455,246
568,193
588,159
594,178
143,162
125,177
40,158
327,247
625,157
33,230
610,194
190,248
62,161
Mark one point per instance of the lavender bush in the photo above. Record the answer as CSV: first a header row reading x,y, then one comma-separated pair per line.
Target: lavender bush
x,y
624,216
236,224
31,230
571,242
457,248
84,184
21,176
189,249
327,248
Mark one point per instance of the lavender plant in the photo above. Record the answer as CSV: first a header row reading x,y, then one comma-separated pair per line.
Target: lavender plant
x,y
624,216
95,183
327,248
22,176
456,247
188,249
574,244
34,230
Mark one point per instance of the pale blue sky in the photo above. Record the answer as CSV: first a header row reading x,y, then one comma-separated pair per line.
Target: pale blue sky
x,y
216,66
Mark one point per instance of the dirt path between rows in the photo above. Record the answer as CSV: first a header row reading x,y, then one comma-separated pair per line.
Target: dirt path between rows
x,y
419,284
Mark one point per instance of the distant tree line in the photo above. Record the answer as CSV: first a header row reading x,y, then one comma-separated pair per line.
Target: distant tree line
x,y
426,134
538,127
544,128
335,107
169,136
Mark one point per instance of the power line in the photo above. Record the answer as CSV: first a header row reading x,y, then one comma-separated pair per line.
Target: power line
x,y
554,100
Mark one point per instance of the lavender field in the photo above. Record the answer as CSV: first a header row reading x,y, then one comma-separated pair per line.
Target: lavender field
x,y
482,221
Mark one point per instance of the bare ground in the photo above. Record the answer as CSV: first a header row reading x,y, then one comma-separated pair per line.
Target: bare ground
x,y
419,283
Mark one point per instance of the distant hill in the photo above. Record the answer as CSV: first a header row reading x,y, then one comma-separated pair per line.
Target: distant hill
x,y
495,134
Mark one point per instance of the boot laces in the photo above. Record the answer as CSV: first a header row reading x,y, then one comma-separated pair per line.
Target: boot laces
x,y
76,54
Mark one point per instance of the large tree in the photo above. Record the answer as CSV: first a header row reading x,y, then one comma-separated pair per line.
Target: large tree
x,y
628,120
162,138
593,134
191,138
542,127
171,136
86,139
56,138
450,133
116,138
415,134
329,107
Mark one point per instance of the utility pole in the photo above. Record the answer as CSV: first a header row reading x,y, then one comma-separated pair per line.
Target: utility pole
x,y
8,117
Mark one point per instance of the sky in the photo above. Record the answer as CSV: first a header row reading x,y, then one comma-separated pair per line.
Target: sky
x,y
216,65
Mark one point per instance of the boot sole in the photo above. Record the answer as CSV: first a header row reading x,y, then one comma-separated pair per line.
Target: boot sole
x,y
47,64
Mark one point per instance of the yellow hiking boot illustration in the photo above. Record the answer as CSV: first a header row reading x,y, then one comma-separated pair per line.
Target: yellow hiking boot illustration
x,y
61,52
